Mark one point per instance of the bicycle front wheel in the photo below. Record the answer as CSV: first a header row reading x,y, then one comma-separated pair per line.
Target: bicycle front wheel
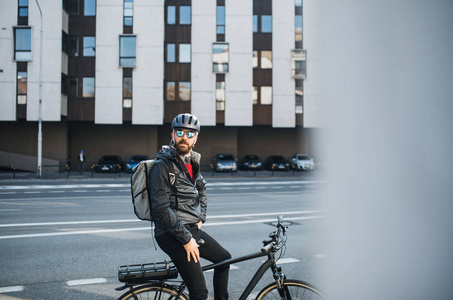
x,y
292,289
143,292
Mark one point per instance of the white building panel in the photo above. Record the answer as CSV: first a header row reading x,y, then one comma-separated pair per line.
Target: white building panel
x,y
283,85
8,17
203,79
51,72
312,107
239,79
148,76
109,76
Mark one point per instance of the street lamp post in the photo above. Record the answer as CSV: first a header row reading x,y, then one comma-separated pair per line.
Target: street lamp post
x,y
40,99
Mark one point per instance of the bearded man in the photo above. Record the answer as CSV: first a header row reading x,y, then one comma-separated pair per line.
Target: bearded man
x,y
179,203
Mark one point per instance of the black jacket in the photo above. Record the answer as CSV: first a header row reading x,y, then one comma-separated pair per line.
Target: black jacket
x,y
191,195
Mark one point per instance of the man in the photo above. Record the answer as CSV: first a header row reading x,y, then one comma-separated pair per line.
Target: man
x,y
81,159
180,214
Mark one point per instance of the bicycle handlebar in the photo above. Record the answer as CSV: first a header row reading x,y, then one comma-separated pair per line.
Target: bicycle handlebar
x,y
274,243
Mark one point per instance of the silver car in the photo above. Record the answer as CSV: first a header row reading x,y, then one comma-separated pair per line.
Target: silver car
x,y
303,162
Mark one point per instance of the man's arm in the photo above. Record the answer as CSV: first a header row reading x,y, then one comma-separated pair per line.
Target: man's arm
x,y
203,198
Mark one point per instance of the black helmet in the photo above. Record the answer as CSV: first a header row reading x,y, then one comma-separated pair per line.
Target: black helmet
x,y
186,121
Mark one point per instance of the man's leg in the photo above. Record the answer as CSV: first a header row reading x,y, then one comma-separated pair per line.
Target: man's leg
x,y
214,252
190,271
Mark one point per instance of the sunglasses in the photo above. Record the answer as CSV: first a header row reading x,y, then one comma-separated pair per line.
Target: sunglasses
x,y
189,134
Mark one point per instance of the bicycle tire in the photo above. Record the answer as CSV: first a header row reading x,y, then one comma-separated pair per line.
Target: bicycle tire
x,y
153,291
294,290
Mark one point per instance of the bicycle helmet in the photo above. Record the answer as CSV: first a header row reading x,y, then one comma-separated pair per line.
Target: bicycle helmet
x,y
186,121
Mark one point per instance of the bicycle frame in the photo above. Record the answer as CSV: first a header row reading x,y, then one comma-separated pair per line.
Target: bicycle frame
x,y
269,263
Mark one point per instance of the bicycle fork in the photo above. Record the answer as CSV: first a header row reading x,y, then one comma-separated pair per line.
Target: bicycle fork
x,y
280,280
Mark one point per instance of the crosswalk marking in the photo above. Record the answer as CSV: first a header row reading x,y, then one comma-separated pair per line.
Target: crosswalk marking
x,y
10,289
86,281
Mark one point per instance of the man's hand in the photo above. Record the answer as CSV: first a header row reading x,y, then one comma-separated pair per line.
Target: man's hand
x,y
192,250
199,224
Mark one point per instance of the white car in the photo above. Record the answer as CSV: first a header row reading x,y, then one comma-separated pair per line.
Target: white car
x,y
303,162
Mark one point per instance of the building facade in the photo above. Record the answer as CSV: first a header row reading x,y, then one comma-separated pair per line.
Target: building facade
x,y
113,73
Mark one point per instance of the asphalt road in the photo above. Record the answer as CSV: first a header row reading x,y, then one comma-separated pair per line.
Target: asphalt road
x,y
64,239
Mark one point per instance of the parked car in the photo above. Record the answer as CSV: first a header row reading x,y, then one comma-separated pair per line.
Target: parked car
x,y
276,163
225,162
303,162
134,160
251,162
109,163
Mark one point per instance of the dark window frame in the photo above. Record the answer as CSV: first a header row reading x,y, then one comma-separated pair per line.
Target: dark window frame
x,y
177,90
128,58
16,51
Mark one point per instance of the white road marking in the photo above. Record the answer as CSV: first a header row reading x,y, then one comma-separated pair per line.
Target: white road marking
x,y
287,260
10,289
322,256
127,185
11,209
86,281
137,220
68,223
48,234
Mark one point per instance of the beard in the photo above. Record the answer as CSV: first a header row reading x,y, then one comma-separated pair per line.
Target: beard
x,y
182,148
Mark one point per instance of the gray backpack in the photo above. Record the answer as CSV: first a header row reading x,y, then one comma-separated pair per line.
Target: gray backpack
x,y
141,189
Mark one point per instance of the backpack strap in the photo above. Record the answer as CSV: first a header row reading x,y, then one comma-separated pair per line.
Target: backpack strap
x,y
172,175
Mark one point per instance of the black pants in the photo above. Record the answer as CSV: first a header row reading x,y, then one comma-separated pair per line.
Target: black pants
x,y
190,271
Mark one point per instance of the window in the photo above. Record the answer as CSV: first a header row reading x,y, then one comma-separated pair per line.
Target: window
x,y
89,46
127,92
299,96
127,51
22,87
64,42
220,95
23,8
128,12
266,24
177,91
170,90
184,53
299,63
73,87
266,95
298,26
298,3
22,44
89,7
73,7
255,23
64,84
266,59
184,15
88,87
171,15
184,91
255,95
74,46
220,19
220,57
171,55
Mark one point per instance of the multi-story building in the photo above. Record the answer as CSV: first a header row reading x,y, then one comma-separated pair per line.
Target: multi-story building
x,y
114,73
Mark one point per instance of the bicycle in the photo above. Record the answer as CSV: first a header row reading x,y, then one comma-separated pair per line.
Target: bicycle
x,y
154,281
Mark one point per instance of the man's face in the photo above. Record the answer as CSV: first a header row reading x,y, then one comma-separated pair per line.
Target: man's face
x,y
184,140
